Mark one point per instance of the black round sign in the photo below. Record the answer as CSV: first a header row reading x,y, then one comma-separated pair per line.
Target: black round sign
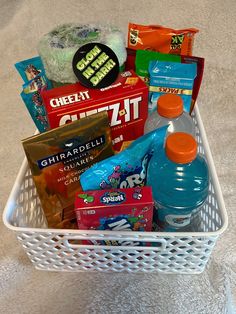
x,y
95,65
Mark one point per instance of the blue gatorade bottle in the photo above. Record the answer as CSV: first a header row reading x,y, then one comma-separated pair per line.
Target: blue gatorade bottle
x,y
180,180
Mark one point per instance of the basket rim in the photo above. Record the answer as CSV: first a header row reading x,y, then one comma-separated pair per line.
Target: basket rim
x,y
142,235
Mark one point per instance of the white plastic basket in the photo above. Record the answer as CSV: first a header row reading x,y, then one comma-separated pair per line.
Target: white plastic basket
x,y
59,249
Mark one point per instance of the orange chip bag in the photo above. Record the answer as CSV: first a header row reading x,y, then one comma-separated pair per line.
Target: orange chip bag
x,y
161,39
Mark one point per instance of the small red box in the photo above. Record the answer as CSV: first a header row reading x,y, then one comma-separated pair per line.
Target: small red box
x,y
117,209
126,101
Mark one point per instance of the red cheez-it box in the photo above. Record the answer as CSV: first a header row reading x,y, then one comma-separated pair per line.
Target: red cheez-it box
x,y
126,101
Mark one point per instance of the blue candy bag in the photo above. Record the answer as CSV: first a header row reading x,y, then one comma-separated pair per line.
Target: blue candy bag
x,y
171,77
36,109
127,169
30,68
34,103
36,84
33,74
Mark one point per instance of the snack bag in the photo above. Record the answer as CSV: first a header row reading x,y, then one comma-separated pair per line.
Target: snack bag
x,y
161,39
127,169
33,101
33,74
143,57
117,210
173,78
30,68
36,84
58,157
34,104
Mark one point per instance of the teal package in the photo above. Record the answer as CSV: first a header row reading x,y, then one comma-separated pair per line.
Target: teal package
x,y
30,69
173,78
34,103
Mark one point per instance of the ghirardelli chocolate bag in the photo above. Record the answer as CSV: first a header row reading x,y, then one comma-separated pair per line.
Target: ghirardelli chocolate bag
x,y
59,156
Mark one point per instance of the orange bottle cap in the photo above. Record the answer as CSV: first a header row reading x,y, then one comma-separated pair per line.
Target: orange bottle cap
x,y
170,105
181,147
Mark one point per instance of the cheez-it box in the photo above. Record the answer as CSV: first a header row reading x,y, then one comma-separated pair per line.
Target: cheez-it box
x,y
126,102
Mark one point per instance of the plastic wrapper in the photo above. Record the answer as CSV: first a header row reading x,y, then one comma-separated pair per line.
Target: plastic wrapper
x,y
33,101
161,39
58,157
58,47
127,169
30,68
143,57
33,74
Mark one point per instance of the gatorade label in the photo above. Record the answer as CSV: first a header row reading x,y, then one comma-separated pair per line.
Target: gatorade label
x,y
178,221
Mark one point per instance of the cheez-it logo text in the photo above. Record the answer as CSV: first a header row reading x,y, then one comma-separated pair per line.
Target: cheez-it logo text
x,y
131,107
70,99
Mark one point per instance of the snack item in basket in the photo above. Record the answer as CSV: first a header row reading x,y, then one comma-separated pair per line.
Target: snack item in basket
x,y
198,79
161,39
130,61
59,156
126,102
172,78
143,57
117,209
36,84
34,104
58,47
142,63
33,101
127,169
33,74
30,68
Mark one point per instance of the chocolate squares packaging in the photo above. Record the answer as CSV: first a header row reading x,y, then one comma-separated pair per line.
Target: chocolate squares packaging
x,y
59,156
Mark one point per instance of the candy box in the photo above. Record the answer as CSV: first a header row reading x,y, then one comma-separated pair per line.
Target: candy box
x,y
126,102
116,209
172,78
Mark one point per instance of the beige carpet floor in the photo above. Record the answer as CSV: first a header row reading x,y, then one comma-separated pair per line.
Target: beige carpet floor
x,y
26,290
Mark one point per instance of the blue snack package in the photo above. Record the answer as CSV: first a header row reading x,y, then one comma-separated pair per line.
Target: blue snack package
x,y
36,84
33,74
34,103
33,100
171,77
127,169
30,68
